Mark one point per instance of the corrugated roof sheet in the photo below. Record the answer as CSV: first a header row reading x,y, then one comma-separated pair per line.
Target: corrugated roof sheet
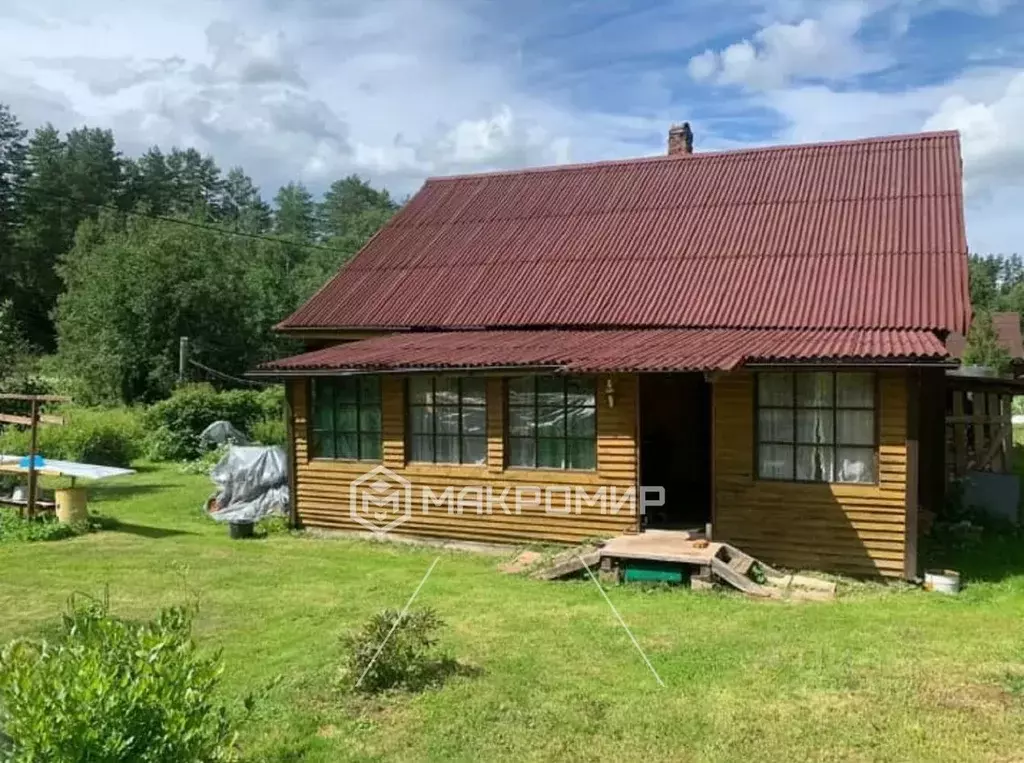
x,y
597,351
1007,326
859,234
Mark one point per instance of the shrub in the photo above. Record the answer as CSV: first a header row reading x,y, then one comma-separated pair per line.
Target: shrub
x,y
105,436
106,689
270,432
14,528
176,423
408,659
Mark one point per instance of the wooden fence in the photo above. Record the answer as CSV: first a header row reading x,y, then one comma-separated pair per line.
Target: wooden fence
x,y
979,432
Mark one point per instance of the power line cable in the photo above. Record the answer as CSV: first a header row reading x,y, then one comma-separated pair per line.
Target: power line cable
x,y
228,377
192,224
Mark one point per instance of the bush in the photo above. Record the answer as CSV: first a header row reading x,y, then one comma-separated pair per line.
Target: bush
x,y
104,436
408,659
15,528
106,689
270,432
176,423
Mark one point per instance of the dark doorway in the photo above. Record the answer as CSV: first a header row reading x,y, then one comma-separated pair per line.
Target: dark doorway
x,y
675,448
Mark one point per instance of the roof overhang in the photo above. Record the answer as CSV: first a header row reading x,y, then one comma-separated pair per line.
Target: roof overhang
x,y
639,351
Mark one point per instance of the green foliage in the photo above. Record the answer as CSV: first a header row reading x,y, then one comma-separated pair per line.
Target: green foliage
x,y
113,292
270,432
983,347
408,658
108,690
176,423
104,436
205,462
13,528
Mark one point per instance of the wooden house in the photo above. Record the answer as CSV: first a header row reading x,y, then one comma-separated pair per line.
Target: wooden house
x,y
760,333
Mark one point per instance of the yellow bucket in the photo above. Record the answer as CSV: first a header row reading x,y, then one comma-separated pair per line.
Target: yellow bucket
x,y
71,504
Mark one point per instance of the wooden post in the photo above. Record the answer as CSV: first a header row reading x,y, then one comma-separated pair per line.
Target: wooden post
x,y
913,476
978,425
182,359
33,447
1006,419
959,435
293,482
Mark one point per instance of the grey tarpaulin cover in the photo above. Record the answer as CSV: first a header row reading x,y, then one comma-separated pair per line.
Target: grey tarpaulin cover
x,y
222,433
252,482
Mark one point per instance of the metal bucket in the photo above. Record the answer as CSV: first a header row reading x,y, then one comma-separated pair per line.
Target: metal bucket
x,y
942,581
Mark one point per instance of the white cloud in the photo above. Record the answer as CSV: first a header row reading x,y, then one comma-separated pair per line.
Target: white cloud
x,y
822,47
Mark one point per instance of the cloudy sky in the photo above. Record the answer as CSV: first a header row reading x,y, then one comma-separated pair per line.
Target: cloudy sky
x,y
397,90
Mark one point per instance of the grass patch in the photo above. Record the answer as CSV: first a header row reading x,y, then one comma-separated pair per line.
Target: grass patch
x,y
879,674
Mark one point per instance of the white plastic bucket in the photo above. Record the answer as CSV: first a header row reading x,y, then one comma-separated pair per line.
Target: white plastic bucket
x,y
942,581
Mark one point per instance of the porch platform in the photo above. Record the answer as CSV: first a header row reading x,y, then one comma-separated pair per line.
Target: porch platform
x,y
679,546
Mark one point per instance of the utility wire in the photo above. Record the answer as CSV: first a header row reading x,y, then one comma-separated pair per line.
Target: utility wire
x,y
192,224
228,377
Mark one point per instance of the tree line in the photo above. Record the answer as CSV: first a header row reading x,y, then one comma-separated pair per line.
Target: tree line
x,y
996,285
106,260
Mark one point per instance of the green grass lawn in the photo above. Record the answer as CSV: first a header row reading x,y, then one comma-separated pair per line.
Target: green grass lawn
x,y
880,674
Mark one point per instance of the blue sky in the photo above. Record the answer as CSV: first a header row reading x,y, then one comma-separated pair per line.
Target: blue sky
x,y
397,90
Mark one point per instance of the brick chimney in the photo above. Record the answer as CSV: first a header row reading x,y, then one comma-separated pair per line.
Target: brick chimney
x,y
680,139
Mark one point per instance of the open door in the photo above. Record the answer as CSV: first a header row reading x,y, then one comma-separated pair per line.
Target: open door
x,y
675,448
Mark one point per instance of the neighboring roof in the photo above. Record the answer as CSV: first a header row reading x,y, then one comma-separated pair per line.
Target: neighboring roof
x,y
604,351
857,234
1007,327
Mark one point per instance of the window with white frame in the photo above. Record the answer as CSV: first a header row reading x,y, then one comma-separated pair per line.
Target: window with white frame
x,y
817,426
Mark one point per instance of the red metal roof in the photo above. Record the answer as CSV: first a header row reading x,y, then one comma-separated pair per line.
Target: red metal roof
x,y
859,234
1007,327
596,351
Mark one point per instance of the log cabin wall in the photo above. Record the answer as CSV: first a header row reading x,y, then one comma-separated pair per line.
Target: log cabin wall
x,y
850,528
322,486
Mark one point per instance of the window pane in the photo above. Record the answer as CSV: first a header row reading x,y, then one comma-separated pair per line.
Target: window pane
x,y
474,421
855,390
522,451
774,425
581,422
421,448
345,390
446,420
370,447
582,454
520,391
446,450
775,389
551,453
856,427
369,419
369,389
474,391
814,389
856,465
421,420
521,421
323,444
323,408
814,464
814,425
551,422
421,390
345,418
775,462
550,390
446,390
581,391
346,446
474,450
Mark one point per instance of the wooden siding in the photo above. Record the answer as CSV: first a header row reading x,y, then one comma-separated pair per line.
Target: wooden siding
x,y
323,485
858,529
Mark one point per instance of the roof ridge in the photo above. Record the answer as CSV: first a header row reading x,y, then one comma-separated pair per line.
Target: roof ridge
x,y
729,154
